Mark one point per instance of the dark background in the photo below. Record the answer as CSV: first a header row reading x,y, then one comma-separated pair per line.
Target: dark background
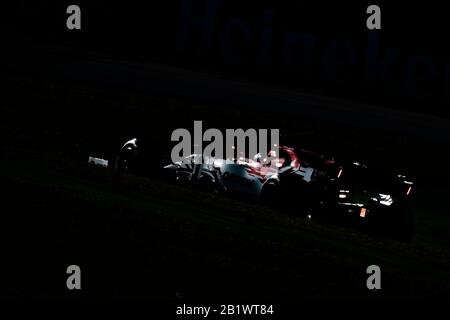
x,y
247,40
136,68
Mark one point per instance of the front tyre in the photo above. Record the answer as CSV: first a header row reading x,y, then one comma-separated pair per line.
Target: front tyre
x,y
127,160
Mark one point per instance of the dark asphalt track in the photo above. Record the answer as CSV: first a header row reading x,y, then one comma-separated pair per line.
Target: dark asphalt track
x,y
136,237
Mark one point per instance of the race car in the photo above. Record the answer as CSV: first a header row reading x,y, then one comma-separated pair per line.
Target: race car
x,y
267,179
297,181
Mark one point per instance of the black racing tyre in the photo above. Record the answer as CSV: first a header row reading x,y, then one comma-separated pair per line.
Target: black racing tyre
x,y
127,160
207,183
270,195
183,180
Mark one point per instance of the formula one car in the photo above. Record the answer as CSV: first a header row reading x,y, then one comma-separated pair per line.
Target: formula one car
x,y
301,182
266,179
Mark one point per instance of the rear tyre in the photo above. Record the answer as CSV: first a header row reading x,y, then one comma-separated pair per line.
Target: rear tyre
x,y
270,195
